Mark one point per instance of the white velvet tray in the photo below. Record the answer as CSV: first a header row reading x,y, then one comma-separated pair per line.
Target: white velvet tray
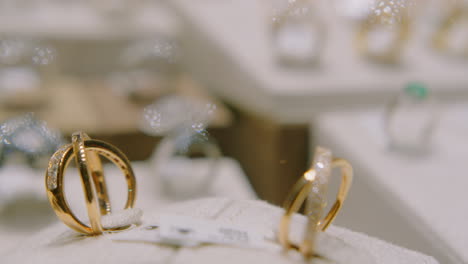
x,y
27,210
58,244
227,46
417,202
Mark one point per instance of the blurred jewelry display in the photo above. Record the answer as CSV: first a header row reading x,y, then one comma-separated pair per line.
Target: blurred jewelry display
x,y
410,119
174,163
383,34
29,138
312,187
451,36
86,152
23,64
177,159
147,69
297,32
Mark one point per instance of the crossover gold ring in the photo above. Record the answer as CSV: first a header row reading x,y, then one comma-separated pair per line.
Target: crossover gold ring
x,y
87,152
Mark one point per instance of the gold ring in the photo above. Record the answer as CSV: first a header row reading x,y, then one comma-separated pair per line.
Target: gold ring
x,y
390,54
301,17
86,152
312,186
441,38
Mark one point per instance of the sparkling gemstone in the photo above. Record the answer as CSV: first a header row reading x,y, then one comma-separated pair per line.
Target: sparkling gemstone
x,y
52,175
318,194
416,90
52,170
43,55
316,201
30,137
182,118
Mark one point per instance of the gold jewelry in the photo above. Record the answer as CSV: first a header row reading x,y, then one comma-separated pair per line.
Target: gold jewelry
x,y
297,33
313,186
441,38
86,152
398,25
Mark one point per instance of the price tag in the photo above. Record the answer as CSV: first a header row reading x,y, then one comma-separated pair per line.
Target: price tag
x,y
185,231
189,231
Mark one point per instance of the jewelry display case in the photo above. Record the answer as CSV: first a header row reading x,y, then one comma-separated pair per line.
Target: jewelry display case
x,y
420,200
210,114
227,45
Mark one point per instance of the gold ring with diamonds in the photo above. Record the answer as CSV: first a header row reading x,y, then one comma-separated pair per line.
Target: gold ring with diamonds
x,y
86,152
312,188
398,28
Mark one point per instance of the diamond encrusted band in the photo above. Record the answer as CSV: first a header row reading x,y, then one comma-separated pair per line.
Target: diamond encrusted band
x,y
312,188
54,163
86,152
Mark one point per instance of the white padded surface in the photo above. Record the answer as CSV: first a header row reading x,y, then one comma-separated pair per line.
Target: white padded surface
x,y
57,244
27,210
419,202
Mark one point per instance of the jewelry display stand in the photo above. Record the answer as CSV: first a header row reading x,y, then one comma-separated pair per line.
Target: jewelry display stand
x,y
227,46
58,244
230,182
419,202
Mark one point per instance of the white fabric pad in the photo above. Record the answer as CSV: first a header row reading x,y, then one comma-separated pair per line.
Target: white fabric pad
x,y
59,244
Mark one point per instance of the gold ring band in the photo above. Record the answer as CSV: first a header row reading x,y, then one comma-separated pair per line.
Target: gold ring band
x,y
392,52
86,152
312,186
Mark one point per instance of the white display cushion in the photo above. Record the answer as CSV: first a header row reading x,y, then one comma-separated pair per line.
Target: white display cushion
x,y
59,244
